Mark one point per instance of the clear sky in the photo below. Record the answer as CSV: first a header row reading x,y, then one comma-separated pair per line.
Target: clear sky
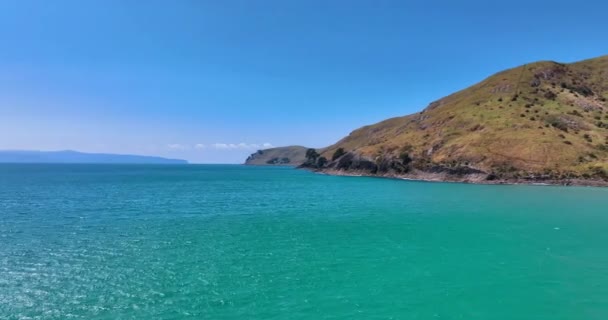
x,y
212,81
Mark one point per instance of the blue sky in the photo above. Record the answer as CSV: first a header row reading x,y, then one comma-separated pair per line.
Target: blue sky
x,y
211,81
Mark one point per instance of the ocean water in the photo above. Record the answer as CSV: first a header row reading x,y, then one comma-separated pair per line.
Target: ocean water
x,y
234,242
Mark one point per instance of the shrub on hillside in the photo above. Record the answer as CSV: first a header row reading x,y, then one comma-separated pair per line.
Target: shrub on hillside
x,y
550,95
587,137
557,122
575,113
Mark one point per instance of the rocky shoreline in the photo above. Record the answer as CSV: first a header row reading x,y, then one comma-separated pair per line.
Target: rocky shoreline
x,y
406,167
474,178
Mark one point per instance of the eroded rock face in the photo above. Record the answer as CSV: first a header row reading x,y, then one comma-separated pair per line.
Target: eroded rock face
x,y
588,105
434,104
535,82
551,73
423,169
352,161
502,88
395,166
457,171
572,123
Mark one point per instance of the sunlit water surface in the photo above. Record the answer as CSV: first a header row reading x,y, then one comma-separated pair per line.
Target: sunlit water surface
x,y
235,242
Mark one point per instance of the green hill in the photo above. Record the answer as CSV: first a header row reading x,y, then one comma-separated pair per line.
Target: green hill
x,y
540,122
290,156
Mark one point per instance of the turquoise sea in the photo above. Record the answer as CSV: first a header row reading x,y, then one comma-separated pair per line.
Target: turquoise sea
x,y
235,242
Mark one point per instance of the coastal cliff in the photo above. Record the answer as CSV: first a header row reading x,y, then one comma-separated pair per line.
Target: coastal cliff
x,y
544,122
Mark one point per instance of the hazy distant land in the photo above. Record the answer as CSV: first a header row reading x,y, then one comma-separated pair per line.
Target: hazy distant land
x,y
69,156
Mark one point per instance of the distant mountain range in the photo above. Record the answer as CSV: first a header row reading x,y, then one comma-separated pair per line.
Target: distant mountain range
x,y
69,156
543,122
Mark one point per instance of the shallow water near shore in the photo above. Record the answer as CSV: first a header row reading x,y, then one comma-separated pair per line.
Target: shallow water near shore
x,y
236,242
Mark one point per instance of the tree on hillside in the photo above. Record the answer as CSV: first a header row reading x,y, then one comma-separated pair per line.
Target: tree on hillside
x,y
321,162
339,152
312,155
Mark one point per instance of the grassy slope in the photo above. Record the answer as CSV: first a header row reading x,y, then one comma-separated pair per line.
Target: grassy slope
x,y
295,154
509,124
